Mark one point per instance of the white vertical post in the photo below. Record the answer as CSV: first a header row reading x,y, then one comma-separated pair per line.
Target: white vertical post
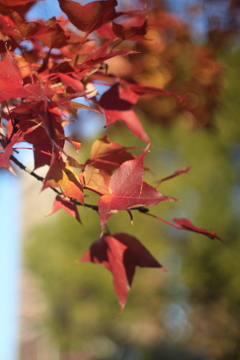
x,y
9,265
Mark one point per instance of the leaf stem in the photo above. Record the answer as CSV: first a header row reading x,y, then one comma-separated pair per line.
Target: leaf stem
x,y
165,221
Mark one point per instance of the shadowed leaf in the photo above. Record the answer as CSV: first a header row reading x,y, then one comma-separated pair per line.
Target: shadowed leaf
x,y
120,254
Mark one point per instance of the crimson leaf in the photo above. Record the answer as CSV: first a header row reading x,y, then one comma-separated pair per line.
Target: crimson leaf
x,y
91,16
186,224
68,206
120,254
116,103
11,82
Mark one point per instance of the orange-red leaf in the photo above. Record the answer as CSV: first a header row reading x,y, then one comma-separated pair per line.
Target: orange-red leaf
x,y
94,180
68,206
61,175
106,156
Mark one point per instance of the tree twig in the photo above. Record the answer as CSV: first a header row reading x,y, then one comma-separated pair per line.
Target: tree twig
x,y
142,209
40,178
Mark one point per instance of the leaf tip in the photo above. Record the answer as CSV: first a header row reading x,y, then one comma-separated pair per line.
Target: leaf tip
x,y
165,270
122,306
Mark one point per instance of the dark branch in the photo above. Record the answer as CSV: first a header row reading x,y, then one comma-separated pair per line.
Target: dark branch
x,y
141,209
40,178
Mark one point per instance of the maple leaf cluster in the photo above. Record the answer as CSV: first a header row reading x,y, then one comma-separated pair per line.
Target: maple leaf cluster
x,y
44,67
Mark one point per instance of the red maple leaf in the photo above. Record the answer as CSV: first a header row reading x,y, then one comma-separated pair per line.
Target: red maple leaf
x,y
127,189
68,206
11,82
116,103
91,16
120,254
133,29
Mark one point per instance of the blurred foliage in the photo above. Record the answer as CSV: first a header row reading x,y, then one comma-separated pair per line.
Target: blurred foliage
x,y
180,56
192,313
172,58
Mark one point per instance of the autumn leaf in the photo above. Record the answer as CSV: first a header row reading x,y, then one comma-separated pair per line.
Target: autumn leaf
x,y
106,31
102,54
120,254
5,155
75,143
61,175
25,29
15,2
8,29
42,153
70,81
94,181
103,146
33,132
116,103
52,35
68,206
142,89
186,224
133,28
11,82
127,189
106,156
91,16
136,32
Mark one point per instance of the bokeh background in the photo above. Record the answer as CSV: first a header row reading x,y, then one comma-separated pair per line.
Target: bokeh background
x,y
69,310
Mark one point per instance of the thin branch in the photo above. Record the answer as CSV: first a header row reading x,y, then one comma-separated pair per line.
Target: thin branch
x,y
40,178
165,221
141,209
26,169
